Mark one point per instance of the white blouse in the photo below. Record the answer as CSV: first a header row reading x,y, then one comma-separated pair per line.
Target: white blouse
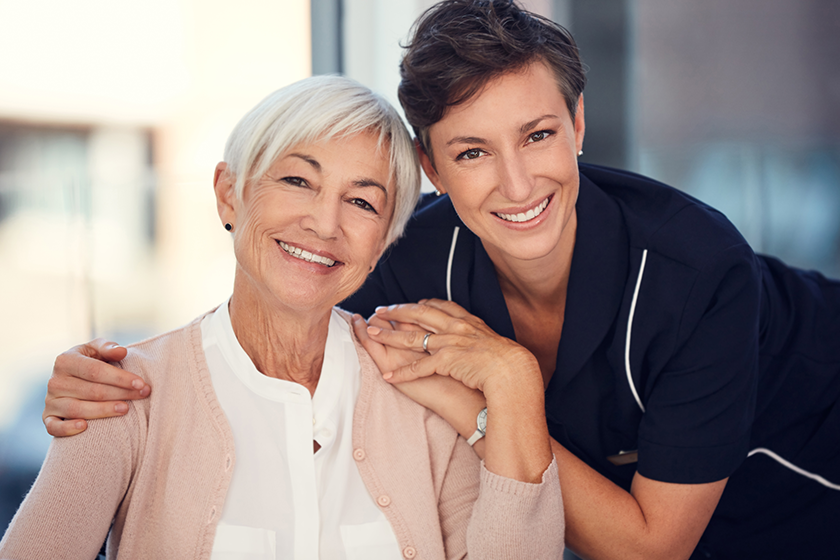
x,y
285,501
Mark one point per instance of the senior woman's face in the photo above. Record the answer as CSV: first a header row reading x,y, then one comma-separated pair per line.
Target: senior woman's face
x,y
508,159
307,233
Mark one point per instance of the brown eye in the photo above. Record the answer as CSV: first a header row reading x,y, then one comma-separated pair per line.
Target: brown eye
x,y
471,154
364,204
296,181
538,136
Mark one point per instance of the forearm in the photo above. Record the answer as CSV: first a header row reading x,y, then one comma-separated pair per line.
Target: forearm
x,y
602,520
655,520
517,443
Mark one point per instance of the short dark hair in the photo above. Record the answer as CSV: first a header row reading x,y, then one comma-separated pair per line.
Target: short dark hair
x,y
457,46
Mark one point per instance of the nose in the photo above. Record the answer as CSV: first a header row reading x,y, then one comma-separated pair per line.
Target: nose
x,y
323,216
515,181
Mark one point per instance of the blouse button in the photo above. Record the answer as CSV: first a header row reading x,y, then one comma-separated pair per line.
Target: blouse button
x,y
359,454
384,501
409,552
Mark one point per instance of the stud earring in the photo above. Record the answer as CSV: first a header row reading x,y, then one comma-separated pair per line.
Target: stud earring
x,y
580,153
228,227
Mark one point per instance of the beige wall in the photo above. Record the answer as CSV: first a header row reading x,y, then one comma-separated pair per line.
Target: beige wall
x,y
179,72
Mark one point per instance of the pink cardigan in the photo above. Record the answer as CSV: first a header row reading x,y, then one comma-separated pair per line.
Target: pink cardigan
x,y
161,472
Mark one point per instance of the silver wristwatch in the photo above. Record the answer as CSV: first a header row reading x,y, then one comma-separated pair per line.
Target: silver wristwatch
x,y
480,427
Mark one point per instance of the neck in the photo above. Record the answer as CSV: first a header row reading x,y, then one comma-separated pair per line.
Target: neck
x,y
282,343
538,283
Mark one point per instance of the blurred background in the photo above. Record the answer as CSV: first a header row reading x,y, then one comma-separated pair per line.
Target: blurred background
x,y
114,114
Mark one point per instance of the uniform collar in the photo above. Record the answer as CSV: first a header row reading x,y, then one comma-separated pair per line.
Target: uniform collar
x,y
596,280
596,283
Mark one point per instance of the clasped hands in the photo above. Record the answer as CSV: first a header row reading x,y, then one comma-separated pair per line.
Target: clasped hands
x,y
461,346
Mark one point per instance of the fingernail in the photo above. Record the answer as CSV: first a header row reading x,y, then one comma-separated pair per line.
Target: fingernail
x,y
144,392
374,330
381,309
424,300
79,425
111,346
121,407
388,375
137,384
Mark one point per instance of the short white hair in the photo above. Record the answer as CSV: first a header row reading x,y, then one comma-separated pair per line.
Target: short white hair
x,y
321,108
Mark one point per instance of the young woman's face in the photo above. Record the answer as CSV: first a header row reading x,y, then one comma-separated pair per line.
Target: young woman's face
x,y
508,160
308,231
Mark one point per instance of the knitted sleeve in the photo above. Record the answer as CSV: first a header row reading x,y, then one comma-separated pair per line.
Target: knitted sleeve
x,y
510,519
68,511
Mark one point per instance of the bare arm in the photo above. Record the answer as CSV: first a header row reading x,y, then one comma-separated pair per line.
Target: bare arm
x,y
84,386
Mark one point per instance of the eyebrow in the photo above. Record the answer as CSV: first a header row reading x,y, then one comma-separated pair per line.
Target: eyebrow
x,y
308,159
371,183
531,124
363,182
522,130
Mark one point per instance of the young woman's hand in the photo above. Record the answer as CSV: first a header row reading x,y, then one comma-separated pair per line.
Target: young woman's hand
x,y
457,344
85,386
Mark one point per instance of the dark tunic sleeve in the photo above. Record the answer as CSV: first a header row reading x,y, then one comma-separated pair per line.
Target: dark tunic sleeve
x,y
701,400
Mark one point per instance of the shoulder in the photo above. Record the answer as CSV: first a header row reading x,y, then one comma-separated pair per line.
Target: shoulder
x,y
176,348
428,232
666,221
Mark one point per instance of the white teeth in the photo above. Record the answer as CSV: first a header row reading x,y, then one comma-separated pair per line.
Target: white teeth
x,y
524,216
305,255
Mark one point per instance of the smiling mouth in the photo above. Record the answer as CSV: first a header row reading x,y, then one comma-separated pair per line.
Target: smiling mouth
x,y
525,216
299,253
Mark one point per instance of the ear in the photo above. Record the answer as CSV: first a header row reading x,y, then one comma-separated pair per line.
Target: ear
x,y
224,184
580,125
428,167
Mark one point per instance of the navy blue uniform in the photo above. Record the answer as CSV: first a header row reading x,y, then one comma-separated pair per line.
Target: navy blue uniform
x,y
678,342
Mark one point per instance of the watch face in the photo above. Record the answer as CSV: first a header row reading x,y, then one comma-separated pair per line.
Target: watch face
x,y
482,421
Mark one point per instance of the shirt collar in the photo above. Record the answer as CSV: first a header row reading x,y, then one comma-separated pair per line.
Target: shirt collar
x,y
334,370
596,281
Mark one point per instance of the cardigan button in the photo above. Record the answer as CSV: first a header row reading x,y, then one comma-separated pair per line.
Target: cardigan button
x,y
359,454
383,500
409,552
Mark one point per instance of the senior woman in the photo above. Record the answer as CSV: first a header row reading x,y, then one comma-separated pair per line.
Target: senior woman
x,y
692,387
271,433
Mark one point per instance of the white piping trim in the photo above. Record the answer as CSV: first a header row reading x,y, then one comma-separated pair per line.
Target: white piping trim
x,y
794,468
629,330
449,264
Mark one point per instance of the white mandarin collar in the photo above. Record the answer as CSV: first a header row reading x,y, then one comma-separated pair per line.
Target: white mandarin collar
x,y
325,400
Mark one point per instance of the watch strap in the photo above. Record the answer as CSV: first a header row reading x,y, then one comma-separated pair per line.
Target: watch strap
x,y
477,435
